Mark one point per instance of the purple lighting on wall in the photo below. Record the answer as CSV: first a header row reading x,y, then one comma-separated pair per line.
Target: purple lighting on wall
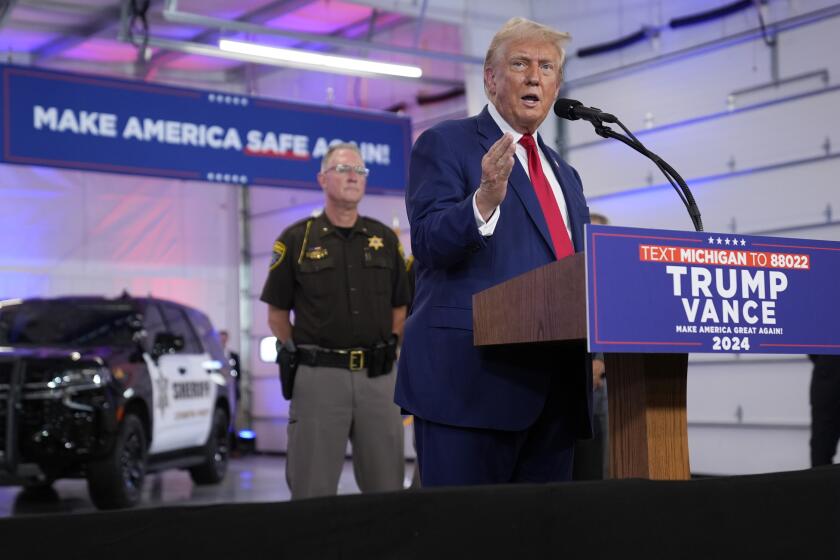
x,y
322,17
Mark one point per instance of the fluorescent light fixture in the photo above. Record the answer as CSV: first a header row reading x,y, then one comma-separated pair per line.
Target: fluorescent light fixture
x,y
325,62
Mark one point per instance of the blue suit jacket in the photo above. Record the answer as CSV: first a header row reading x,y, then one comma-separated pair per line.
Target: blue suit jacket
x,y
442,377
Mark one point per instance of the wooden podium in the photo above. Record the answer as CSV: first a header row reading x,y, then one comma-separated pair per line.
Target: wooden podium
x,y
647,392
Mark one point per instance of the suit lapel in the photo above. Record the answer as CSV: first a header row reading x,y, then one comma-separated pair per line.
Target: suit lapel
x,y
489,133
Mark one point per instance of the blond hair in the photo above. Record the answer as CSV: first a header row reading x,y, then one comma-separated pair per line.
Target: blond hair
x,y
520,28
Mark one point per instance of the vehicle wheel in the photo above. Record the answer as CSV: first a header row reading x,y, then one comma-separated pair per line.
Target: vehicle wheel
x,y
117,480
216,452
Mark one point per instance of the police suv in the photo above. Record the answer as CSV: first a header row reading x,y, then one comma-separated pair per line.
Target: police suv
x,y
110,389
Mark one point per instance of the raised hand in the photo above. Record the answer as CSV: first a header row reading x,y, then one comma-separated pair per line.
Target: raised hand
x,y
496,166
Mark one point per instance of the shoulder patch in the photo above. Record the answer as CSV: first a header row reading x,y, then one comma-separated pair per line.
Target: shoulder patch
x,y
278,253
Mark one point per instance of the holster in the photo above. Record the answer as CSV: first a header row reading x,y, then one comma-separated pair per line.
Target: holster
x,y
382,358
287,360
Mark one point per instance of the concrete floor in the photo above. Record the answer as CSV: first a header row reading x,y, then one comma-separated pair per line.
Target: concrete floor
x,y
252,478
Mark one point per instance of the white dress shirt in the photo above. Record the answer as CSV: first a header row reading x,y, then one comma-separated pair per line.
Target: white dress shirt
x,y
487,228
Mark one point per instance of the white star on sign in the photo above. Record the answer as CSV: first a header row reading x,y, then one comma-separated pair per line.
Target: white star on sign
x,y
719,240
727,241
743,242
711,240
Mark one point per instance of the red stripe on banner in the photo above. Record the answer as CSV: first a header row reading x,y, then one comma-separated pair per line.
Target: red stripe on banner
x,y
278,155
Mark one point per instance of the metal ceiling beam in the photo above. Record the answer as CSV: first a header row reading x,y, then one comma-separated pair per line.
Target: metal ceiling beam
x,y
217,80
421,19
199,49
5,9
40,27
172,14
104,20
489,15
249,73
257,16
77,8
775,28
261,71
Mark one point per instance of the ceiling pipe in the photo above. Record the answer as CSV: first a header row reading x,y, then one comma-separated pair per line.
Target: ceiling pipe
x,y
276,8
320,61
5,10
201,49
173,15
421,18
774,28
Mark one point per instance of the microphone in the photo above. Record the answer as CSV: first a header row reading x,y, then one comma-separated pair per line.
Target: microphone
x,y
572,109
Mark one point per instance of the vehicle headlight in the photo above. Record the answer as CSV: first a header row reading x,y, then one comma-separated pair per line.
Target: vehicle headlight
x,y
83,377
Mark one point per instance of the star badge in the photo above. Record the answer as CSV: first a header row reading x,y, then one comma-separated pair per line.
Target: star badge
x,y
375,242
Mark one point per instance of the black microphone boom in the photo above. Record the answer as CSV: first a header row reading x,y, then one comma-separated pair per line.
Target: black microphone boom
x,y
573,110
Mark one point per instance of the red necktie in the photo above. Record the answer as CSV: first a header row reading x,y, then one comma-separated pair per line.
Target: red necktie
x,y
548,203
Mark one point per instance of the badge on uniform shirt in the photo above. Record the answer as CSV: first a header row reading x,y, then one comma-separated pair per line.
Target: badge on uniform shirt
x,y
375,242
316,253
278,252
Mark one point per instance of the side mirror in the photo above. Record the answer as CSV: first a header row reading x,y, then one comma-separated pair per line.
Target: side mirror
x,y
135,322
167,343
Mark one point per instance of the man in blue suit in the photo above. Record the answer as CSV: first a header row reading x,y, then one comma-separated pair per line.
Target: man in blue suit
x,y
488,200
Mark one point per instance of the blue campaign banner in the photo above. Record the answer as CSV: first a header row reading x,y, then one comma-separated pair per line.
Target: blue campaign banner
x,y
97,123
674,291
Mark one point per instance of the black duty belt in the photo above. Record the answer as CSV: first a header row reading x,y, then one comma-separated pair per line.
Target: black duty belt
x,y
353,359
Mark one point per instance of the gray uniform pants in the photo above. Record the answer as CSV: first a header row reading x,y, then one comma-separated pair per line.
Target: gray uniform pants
x,y
331,405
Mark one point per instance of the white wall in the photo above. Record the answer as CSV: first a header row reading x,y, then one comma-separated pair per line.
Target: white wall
x,y
72,232
756,163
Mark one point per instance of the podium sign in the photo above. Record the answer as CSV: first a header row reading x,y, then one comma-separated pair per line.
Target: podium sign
x,y
661,291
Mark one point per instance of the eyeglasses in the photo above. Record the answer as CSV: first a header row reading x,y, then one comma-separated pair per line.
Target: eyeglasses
x,y
346,168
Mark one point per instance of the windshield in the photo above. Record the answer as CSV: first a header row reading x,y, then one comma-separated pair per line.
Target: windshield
x,y
70,323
